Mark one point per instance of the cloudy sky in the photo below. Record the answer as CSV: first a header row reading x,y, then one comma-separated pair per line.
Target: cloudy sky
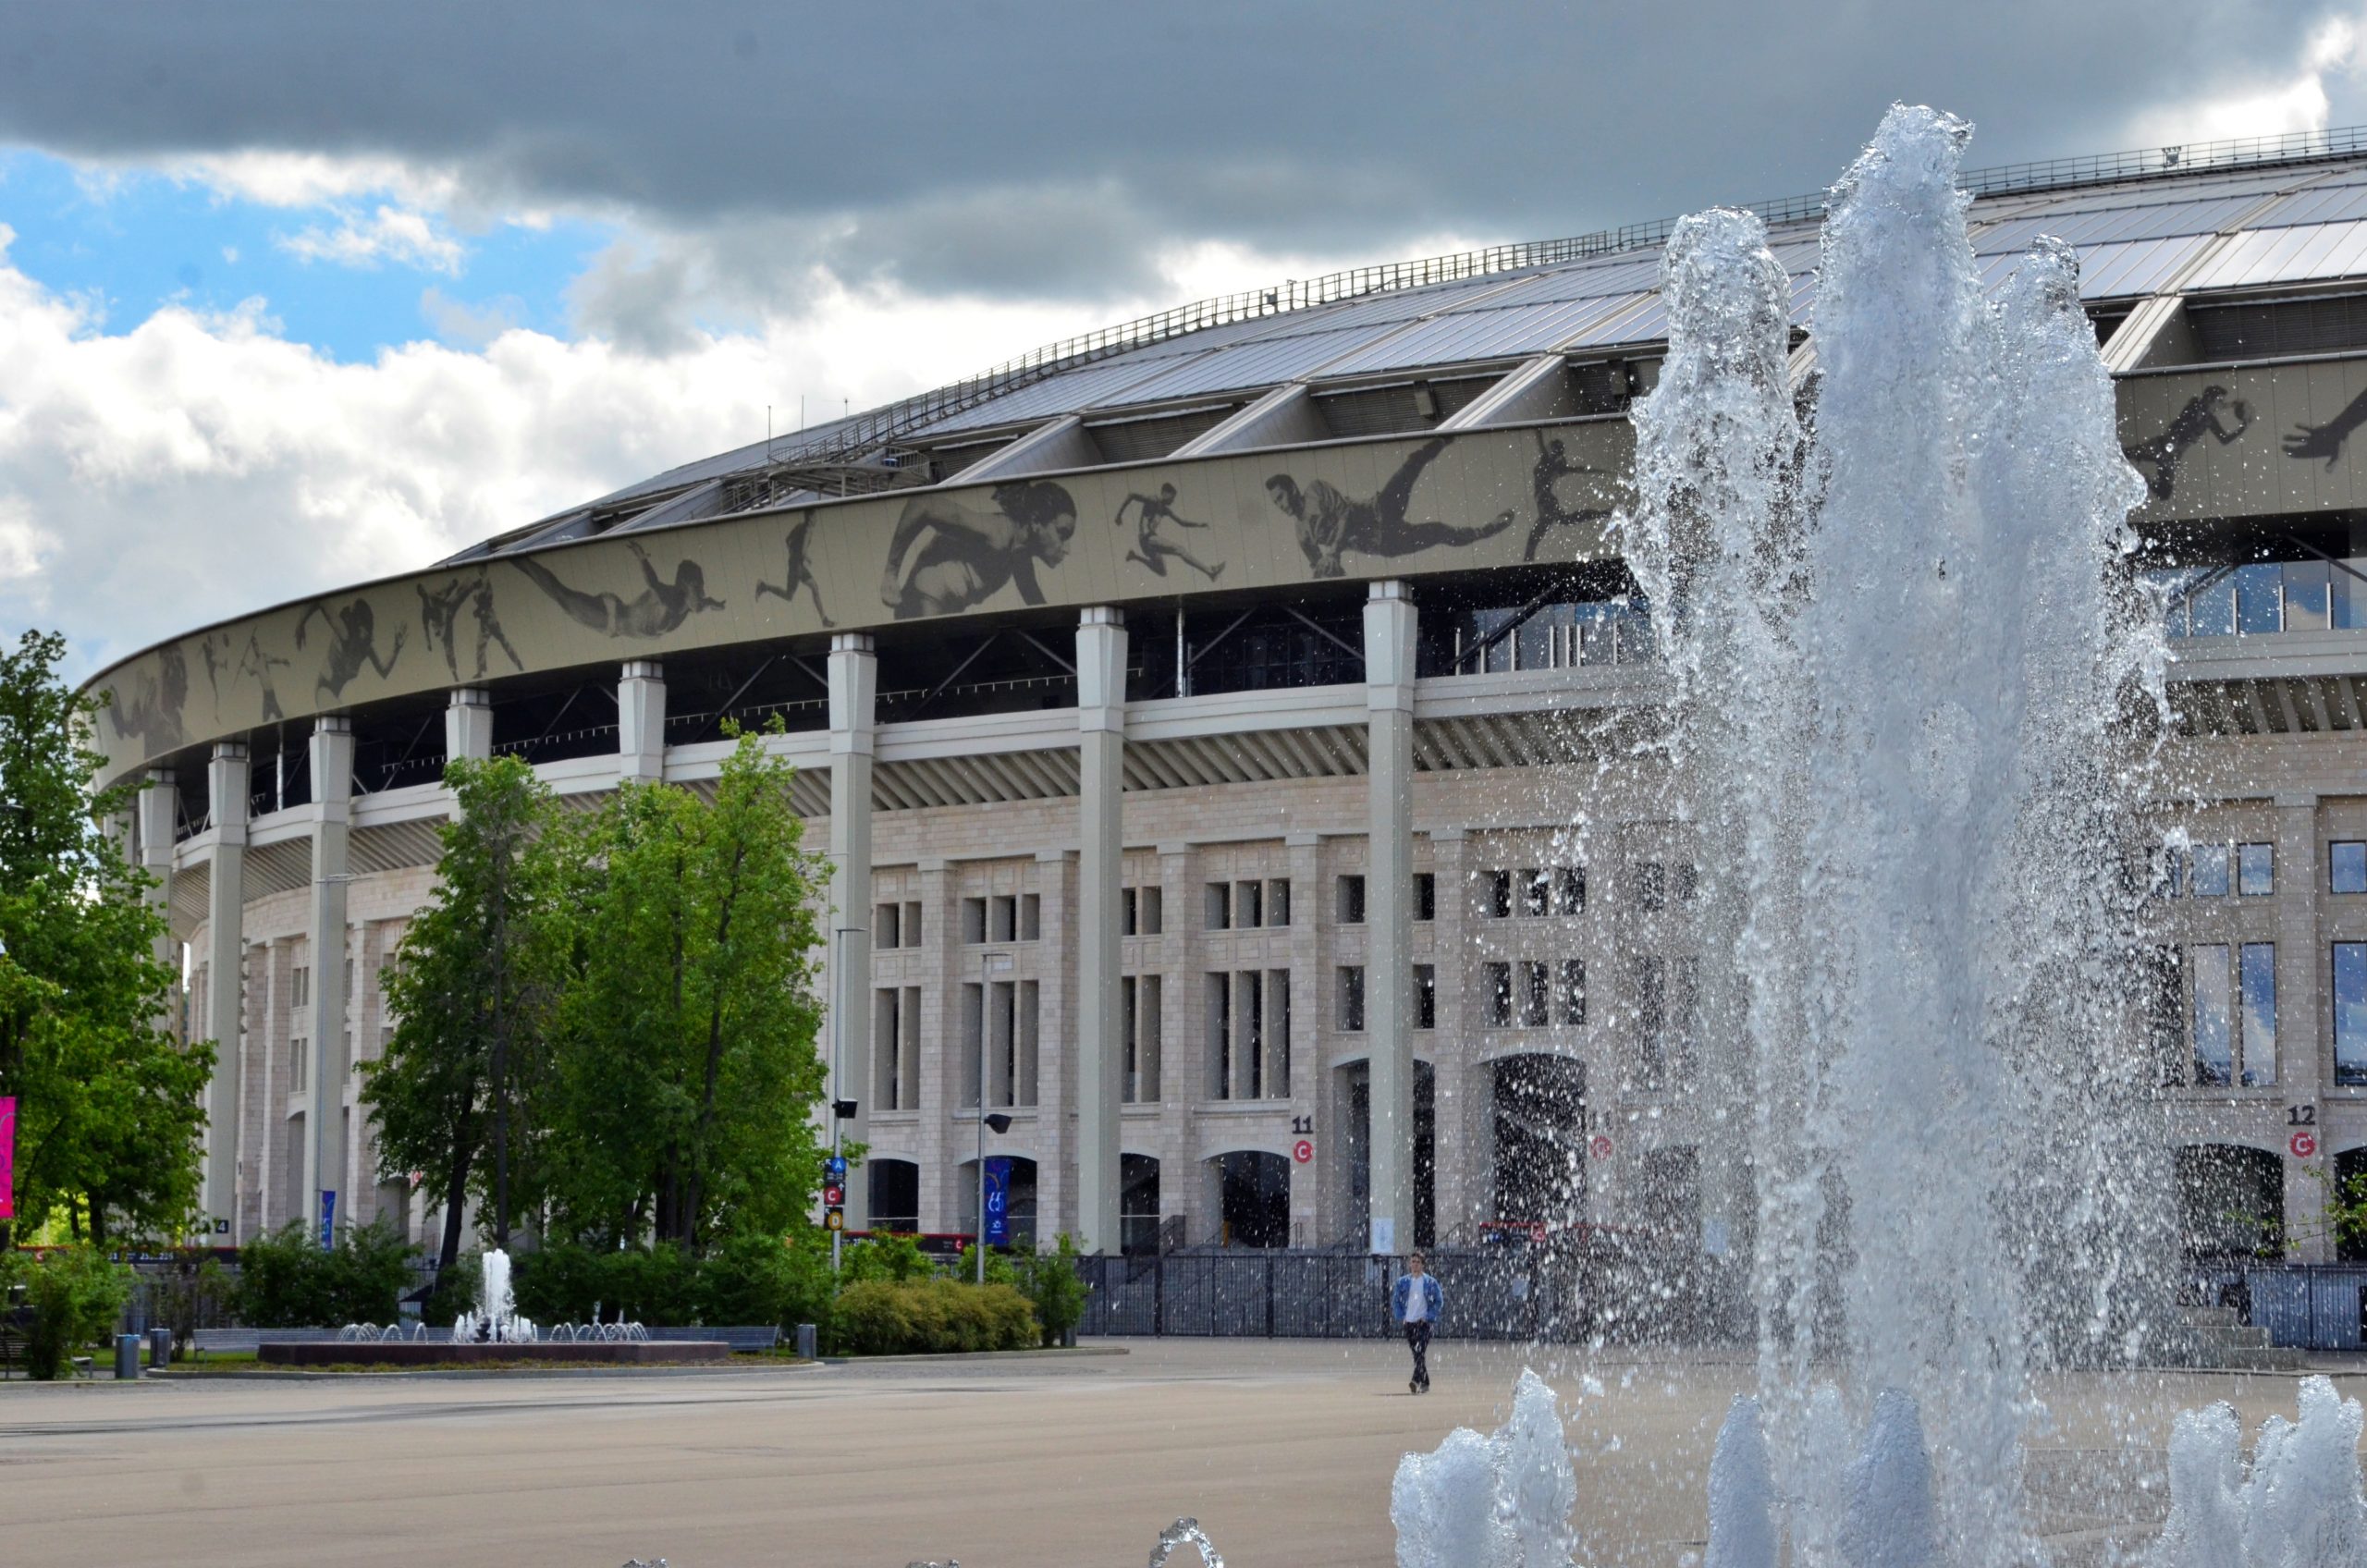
x,y
295,294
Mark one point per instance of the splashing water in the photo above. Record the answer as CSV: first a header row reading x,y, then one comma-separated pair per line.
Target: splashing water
x,y
496,1321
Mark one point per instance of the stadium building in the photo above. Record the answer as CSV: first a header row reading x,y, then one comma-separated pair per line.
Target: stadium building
x,y
1195,713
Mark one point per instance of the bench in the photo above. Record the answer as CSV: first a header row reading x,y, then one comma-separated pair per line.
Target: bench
x,y
741,1339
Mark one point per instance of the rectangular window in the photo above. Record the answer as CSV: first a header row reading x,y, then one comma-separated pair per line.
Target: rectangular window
x,y
1248,905
1496,894
1029,1028
974,920
1129,912
300,987
1278,1033
1278,900
1154,905
1570,890
1129,1022
1651,1023
1425,997
2255,870
2166,1013
912,932
1535,995
1500,995
2305,595
886,1032
974,1022
2256,984
1249,1004
1219,1036
2351,1013
1352,997
1649,880
1425,895
1002,1043
2213,1046
2258,598
1150,1033
1536,890
1031,917
1352,900
884,921
1218,905
1006,918
1574,991
1688,882
2209,877
2346,867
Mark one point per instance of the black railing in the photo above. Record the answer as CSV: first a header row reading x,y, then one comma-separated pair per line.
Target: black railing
x,y
2302,1305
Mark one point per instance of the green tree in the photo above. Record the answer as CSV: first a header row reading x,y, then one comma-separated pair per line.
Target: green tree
x,y
473,988
686,1067
110,1119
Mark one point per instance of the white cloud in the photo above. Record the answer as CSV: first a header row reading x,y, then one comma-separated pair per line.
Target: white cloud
x,y
2333,56
313,180
388,234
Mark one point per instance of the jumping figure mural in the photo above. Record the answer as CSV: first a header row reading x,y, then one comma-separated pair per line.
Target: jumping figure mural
x,y
1553,465
150,705
1150,548
256,666
2327,440
353,645
972,552
1331,523
799,573
2159,456
439,615
658,609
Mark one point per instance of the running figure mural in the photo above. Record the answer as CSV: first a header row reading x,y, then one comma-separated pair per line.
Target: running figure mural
x,y
2327,440
353,645
1150,548
1553,465
1331,523
658,609
974,551
2159,456
151,708
439,616
256,666
799,573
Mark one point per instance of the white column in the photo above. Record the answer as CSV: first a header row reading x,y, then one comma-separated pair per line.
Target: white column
x,y
2300,1070
640,721
468,724
332,768
155,812
226,787
1100,1058
854,684
1388,897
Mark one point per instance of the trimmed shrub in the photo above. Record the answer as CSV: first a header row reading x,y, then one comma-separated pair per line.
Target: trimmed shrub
x,y
885,1258
1053,1286
931,1316
285,1280
77,1296
755,1278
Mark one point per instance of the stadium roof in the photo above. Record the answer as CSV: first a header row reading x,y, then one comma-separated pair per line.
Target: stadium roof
x,y
2257,214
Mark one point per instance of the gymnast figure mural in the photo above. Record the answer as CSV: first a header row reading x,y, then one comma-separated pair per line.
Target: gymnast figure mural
x,y
2159,456
1553,465
658,608
353,645
439,616
1150,548
2327,440
799,573
972,552
150,706
256,666
1331,523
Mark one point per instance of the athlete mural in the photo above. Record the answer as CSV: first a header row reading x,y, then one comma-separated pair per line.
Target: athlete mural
x,y
353,645
1554,466
661,608
147,707
799,573
1150,548
2327,440
972,552
439,616
2158,457
1331,523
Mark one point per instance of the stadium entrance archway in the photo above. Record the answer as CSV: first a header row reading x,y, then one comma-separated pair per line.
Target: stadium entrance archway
x,y
1253,1199
2350,1187
1355,1083
2231,1201
1540,1119
895,1194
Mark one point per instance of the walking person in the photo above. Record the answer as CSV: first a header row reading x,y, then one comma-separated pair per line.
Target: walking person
x,y
1417,1303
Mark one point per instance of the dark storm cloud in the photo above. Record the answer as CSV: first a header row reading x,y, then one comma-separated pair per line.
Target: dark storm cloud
x,y
1051,149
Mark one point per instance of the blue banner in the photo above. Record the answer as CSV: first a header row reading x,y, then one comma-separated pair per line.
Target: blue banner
x,y
998,1202
328,1217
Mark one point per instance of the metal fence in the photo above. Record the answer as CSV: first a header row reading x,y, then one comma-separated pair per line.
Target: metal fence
x,y
2310,1306
1520,1293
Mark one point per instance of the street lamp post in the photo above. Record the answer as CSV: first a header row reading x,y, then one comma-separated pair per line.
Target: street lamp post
x,y
988,963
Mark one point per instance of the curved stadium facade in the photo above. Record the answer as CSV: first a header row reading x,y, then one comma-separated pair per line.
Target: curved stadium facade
x,y
1155,692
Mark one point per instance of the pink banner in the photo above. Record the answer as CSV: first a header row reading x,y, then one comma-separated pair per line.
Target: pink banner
x,y
8,1157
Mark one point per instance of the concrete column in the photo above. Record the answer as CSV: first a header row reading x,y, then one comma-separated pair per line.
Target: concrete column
x,y
332,810
155,812
1100,1055
1303,854
1389,899
640,721
226,784
2302,1009
855,727
468,723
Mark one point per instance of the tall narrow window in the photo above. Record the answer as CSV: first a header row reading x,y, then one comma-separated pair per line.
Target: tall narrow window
x,y
1651,1023
1570,890
1249,1003
1248,905
974,920
2257,984
1573,990
1153,912
1006,918
1500,995
1149,1034
1129,912
1425,997
1278,1033
1278,900
886,1034
1031,917
2209,877
2213,1047
1002,1044
884,921
1352,900
1425,895
912,925
1535,891
1027,1027
1651,881
2255,870
2346,867
974,1022
2166,1013
1129,1022
1496,894
1535,996
1352,997
2351,1013
1219,906
1220,1037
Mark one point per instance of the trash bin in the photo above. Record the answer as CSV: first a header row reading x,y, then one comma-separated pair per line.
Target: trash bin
x,y
806,1341
160,1346
126,1355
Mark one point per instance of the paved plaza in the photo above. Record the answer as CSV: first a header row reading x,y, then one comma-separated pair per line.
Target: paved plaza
x,y
1283,1450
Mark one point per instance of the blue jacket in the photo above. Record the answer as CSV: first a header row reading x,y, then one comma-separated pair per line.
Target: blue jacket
x,y
1434,1298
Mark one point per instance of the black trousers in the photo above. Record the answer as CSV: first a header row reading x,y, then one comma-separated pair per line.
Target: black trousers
x,y
1417,1340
